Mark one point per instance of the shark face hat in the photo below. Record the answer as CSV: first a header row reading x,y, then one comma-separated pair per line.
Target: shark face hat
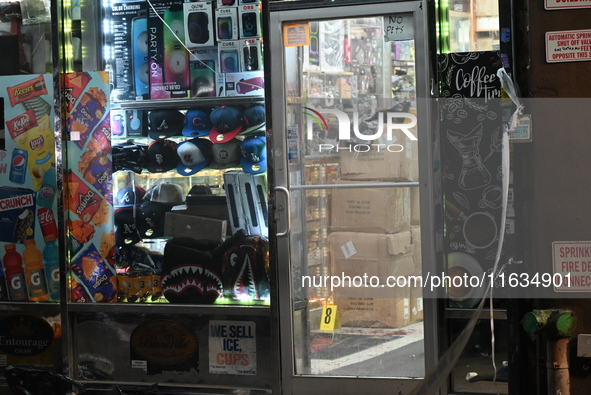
x,y
165,123
194,155
254,155
197,123
227,123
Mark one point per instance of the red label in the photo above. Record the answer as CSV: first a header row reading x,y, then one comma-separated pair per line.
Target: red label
x,y
47,222
21,124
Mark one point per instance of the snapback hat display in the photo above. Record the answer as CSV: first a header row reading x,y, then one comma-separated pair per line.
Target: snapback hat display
x,y
163,156
227,123
197,123
129,197
254,120
254,155
166,193
225,155
194,155
165,123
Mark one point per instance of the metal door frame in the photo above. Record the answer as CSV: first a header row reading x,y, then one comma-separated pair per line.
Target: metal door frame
x,y
276,14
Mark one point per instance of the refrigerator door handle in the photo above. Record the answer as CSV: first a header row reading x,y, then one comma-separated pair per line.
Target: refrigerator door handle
x,y
287,209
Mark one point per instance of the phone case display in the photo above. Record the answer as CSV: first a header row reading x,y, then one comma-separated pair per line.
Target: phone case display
x,y
178,50
89,188
28,230
473,120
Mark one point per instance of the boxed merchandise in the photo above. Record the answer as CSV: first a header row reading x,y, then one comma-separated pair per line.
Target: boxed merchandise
x,y
169,60
251,54
229,56
251,83
396,160
199,24
249,17
206,80
371,254
374,312
226,21
373,210
248,1
201,228
227,3
130,49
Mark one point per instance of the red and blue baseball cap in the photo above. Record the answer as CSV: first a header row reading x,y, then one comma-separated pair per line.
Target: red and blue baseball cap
x,y
197,123
254,155
194,155
254,120
227,123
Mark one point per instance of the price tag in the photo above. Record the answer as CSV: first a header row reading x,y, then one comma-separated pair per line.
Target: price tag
x,y
330,318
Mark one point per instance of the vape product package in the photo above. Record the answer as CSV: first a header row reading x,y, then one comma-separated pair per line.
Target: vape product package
x,y
249,17
199,24
129,48
250,83
226,22
169,60
229,56
251,54
206,80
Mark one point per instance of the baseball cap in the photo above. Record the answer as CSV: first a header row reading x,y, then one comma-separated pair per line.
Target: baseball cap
x,y
254,119
168,193
165,123
151,221
163,156
194,155
225,155
254,155
126,232
227,123
197,123
129,197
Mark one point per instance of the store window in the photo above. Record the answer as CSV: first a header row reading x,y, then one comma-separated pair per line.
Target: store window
x,y
471,25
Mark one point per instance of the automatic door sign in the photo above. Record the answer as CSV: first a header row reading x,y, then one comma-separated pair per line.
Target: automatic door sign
x,y
164,346
232,347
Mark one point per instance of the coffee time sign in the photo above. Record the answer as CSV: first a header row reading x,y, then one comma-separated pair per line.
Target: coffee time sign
x,y
568,46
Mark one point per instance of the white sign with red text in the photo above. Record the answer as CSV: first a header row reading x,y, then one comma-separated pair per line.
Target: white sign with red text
x,y
572,260
232,347
566,4
568,46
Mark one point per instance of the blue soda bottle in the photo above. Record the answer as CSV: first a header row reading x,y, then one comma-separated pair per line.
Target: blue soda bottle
x,y
46,194
51,264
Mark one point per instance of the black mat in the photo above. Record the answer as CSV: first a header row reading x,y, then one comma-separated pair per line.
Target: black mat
x,y
332,346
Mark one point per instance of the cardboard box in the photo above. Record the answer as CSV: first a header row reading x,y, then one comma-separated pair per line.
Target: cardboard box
x,y
202,228
373,210
374,312
416,304
367,255
199,24
169,60
250,83
251,54
226,22
206,79
249,20
394,160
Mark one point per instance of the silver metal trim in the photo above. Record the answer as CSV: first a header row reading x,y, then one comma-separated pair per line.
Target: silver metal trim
x,y
287,211
354,186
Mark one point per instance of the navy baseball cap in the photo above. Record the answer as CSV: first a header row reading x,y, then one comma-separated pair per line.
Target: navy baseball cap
x,y
129,197
163,156
197,123
194,155
254,155
165,123
254,120
227,123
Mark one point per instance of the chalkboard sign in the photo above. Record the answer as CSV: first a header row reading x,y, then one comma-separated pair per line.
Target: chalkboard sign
x,y
472,115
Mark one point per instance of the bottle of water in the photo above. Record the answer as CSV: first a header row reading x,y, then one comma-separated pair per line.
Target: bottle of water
x,y
51,263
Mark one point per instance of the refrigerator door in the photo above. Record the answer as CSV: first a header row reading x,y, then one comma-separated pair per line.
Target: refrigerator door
x,y
351,132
